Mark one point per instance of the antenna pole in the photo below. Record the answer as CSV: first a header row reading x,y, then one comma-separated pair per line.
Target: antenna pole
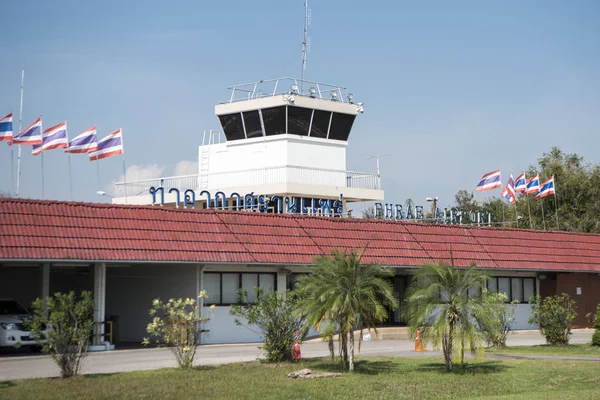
x,y
20,127
304,44
378,174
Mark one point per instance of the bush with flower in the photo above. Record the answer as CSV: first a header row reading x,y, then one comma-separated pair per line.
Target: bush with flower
x,y
178,325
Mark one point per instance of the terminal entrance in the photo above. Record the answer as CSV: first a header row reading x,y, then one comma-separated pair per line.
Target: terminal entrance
x,y
400,283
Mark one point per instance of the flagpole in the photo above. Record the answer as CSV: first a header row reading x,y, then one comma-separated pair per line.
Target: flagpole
x,y
12,166
529,209
543,219
98,173
125,177
69,161
70,175
20,127
556,206
42,154
124,168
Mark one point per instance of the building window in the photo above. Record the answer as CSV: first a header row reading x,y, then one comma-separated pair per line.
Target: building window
x,y
320,124
230,283
521,289
222,288
528,289
232,125
249,283
274,120
341,124
299,120
252,124
212,285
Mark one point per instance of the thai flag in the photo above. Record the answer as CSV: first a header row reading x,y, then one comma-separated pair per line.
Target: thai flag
x,y
52,138
111,145
6,130
521,183
533,184
489,181
509,191
85,142
547,189
32,135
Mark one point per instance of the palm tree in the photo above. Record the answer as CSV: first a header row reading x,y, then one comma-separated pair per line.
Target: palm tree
x,y
440,306
352,296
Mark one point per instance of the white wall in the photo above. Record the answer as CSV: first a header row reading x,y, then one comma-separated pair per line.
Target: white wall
x,y
222,328
522,314
317,153
276,151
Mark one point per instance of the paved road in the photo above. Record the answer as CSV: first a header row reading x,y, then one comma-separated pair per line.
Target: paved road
x,y
12,367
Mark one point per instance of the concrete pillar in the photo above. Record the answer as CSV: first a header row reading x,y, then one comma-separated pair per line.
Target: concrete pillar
x,y
45,286
45,280
99,301
199,288
281,283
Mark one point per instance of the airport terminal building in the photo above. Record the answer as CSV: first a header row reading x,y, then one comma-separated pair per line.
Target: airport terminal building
x,y
128,255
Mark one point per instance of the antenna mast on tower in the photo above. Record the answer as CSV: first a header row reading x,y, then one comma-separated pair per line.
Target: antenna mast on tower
x,y
305,42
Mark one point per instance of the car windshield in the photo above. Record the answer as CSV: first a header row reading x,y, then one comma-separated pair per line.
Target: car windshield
x,y
11,307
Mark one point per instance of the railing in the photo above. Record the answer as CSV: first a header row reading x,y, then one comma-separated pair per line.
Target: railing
x,y
280,86
253,177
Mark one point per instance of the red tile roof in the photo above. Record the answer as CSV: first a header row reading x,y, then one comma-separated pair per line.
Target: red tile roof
x,y
53,230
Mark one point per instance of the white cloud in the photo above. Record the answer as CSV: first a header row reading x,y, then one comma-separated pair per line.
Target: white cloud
x,y
185,168
154,171
141,172
138,173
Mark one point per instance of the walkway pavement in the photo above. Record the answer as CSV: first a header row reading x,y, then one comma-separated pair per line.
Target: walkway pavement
x,y
15,367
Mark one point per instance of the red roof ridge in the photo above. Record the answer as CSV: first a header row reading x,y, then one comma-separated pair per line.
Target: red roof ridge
x,y
293,216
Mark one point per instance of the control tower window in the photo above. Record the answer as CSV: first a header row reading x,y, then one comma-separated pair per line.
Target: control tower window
x,y
274,120
252,122
299,120
320,124
232,126
341,124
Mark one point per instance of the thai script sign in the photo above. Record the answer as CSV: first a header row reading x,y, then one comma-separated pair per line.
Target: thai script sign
x,y
252,202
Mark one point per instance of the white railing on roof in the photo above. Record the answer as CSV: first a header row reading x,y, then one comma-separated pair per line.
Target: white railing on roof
x,y
253,177
286,85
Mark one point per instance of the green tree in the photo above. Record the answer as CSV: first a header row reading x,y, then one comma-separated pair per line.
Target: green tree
x,y
275,315
555,315
465,201
351,295
439,306
63,325
178,325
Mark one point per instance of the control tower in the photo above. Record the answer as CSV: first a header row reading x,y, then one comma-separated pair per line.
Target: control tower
x,y
281,137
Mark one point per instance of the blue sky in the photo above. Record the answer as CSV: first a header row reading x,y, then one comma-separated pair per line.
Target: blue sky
x,y
452,90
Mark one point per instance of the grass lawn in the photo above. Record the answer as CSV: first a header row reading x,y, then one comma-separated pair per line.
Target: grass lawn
x,y
375,378
583,350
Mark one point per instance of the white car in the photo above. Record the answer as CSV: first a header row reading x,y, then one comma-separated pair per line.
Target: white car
x,y
12,329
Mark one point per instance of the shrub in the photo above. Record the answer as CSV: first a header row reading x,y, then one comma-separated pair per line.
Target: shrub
x,y
178,325
595,321
63,325
275,315
554,314
495,317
